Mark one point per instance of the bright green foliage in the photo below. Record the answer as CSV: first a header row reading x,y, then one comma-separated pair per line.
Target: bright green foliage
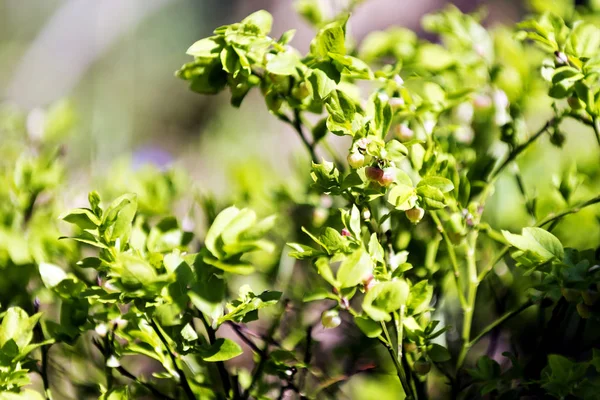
x,y
419,117
396,243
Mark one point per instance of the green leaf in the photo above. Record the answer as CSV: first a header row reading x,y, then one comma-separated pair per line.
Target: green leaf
x,y
584,40
333,241
331,39
420,297
318,294
432,197
354,269
537,241
18,326
369,327
355,221
324,270
248,304
321,84
434,57
134,272
443,184
402,197
384,298
396,150
51,274
286,37
230,60
438,353
118,218
205,48
234,267
217,227
220,350
375,249
82,217
205,78
240,223
383,115
208,292
325,176
302,252
90,262
262,19
352,66
283,64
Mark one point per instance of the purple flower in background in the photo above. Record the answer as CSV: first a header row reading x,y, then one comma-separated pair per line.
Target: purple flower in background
x,y
153,156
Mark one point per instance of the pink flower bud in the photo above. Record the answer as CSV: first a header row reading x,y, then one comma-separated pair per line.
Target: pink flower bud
x,y
330,319
346,232
404,133
356,160
415,215
396,102
388,177
374,173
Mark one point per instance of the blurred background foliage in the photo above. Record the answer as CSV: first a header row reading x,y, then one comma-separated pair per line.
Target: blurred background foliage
x,y
129,126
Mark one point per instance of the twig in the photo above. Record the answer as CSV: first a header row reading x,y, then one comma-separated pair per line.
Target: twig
x,y
500,321
592,123
473,283
184,382
550,218
519,149
307,357
212,337
107,354
263,356
452,255
575,209
123,371
237,329
296,123
44,361
399,369
30,207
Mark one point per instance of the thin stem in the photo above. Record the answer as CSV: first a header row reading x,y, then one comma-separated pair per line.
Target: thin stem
x,y
307,357
499,322
123,371
245,339
107,369
296,123
452,255
572,210
212,337
399,370
44,361
549,219
399,330
471,297
521,148
184,382
327,146
593,123
596,127
264,355
30,207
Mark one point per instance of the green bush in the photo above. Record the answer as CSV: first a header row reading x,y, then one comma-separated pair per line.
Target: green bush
x,y
402,247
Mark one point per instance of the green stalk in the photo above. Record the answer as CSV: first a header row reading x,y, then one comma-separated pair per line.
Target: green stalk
x,y
396,359
549,219
452,255
212,337
473,283
182,378
499,322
